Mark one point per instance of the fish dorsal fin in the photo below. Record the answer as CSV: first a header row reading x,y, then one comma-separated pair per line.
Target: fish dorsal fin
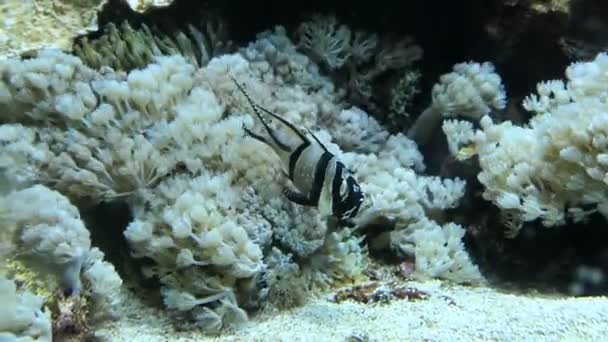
x,y
249,100
255,108
285,122
317,140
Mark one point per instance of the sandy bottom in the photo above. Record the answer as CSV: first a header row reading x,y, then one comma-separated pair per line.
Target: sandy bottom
x,y
451,313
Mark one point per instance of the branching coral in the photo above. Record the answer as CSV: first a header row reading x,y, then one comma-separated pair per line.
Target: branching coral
x,y
355,130
342,258
360,55
402,95
327,41
409,201
471,90
556,164
276,61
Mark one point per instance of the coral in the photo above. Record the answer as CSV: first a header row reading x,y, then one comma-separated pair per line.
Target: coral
x,y
104,153
360,56
30,25
21,153
341,259
102,285
275,60
193,230
555,166
126,48
326,41
193,217
43,86
113,148
438,251
402,95
297,229
22,316
48,231
471,90
287,287
354,130
49,227
458,133
336,46
409,200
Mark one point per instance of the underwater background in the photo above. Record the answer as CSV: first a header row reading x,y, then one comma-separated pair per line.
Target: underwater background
x,y
140,198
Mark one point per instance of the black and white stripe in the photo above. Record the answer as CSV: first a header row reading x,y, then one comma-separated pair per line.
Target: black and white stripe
x,y
320,179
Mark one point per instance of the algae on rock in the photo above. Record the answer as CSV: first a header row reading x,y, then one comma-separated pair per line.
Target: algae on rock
x,y
29,25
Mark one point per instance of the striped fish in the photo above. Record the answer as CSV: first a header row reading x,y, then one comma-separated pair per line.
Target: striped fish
x,y
320,179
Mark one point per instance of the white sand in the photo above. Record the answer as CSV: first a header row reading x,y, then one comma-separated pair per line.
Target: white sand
x,y
451,313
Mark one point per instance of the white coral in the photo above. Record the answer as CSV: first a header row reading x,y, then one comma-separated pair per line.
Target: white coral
x,y
355,130
110,147
471,90
21,155
395,191
326,39
459,133
557,161
440,253
102,282
22,315
49,230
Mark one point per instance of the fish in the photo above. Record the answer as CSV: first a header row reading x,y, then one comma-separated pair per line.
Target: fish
x,y
319,179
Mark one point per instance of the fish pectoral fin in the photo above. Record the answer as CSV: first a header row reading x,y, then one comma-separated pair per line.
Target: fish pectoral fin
x,y
285,174
297,197
250,133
